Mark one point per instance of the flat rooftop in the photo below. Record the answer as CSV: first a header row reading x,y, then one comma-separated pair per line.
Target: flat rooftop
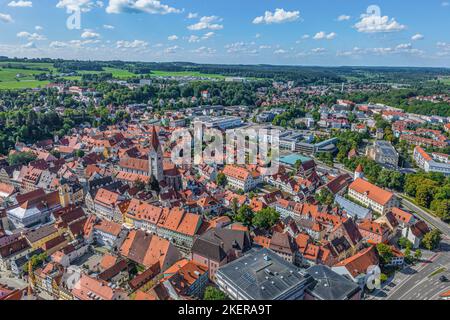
x,y
263,275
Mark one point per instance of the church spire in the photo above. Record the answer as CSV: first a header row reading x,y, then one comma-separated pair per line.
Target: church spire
x,y
155,140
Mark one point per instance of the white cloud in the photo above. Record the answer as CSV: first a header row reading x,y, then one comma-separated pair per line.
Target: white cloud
x,y
207,22
192,15
279,16
108,27
29,45
372,23
417,37
136,44
403,48
31,36
172,37
280,51
324,36
72,5
193,39
208,35
204,51
6,18
139,6
58,44
38,28
20,4
89,34
242,48
171,50
343,17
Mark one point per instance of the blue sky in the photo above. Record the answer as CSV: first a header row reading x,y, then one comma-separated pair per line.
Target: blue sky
x,y
298,32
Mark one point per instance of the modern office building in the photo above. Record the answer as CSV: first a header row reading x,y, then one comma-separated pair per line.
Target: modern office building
x,y
262,275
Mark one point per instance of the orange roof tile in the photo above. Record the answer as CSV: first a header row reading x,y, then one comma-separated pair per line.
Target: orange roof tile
x,y
373,192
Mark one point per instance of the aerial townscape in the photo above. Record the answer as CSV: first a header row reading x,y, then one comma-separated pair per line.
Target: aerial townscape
x,y
95,206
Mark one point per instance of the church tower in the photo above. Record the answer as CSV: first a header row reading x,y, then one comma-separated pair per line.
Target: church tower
x,y
359,173
64,195
155,157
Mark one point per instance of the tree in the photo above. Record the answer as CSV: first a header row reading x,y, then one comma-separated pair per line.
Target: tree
x,y
408,255
325,197
21,158
212,293
221,179
245,215
79,153
418,254
432,239
266,218
403,242
385,253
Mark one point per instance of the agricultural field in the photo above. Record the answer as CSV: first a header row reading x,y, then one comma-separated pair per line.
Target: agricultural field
x,y
20,78
22,75
185,74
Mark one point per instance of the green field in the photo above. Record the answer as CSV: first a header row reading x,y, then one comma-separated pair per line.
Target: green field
x,y
22,78
185,74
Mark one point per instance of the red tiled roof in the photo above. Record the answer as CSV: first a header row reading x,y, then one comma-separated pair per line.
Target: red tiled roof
x,y
373,192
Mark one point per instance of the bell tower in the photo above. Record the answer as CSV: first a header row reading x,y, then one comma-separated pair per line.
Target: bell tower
x,y
64,195
155,157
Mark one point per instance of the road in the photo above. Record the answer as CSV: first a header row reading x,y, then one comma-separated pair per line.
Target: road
x,y
417,282
423,285
430,219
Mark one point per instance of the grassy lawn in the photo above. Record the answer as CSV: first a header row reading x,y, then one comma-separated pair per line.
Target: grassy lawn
x,y
185,74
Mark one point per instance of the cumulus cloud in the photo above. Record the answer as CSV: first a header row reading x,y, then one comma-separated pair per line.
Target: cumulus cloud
x,y
29,45
171,50
192,15
38,28
6,18
73,5
58,44
139,6
31,36
417,37
136,44
193,39
279,16
207,22
108,27
20,4
242,48
172,37
324,36
208,35
403,48
204,51
89,34
343,17
373,23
